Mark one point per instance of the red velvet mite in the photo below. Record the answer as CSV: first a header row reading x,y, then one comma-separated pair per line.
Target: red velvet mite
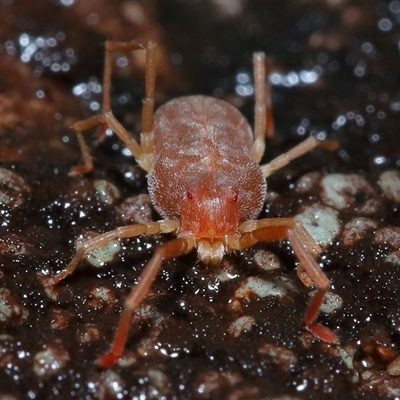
x,y
205,181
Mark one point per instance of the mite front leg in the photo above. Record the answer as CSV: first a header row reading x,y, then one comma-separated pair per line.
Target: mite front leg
x,y
317,276
305,249
122,232
138,292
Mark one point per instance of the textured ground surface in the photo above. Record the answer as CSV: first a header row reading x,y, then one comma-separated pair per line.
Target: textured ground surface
x,y
202,333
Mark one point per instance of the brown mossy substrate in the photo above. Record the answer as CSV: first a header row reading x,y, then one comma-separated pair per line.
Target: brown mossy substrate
x,y
202,333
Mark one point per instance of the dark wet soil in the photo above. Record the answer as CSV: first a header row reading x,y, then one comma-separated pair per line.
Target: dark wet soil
x,y
335,74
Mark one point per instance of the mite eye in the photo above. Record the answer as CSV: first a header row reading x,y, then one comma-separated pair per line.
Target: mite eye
x,y
189,195
234,197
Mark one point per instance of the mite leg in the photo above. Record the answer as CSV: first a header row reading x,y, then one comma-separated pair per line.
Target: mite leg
x,y
263,118
146,141
143,153
305,249
138,292
145,160
302,148
128,231
316,275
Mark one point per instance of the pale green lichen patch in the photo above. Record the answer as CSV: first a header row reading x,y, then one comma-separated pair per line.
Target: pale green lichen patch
x,y
321,222
393,368
50,360
106,192
356,229
389,182
331,302
12,188
266,260
342,191
102,255
388,236
240,325
260,287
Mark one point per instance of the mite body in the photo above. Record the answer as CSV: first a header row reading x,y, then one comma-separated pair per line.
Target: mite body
x,y
216,181
205,181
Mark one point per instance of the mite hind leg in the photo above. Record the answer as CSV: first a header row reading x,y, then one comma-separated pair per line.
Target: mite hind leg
x,y
305,248
263,118
302,148
264,121
144,159
143,153
146,140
